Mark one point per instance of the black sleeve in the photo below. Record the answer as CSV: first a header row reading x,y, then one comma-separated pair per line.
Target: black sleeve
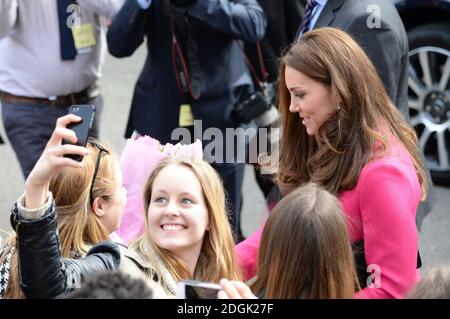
x,y
127,30
43,273
240,19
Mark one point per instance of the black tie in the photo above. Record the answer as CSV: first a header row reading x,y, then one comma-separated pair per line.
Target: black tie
x,y
68,50
307,18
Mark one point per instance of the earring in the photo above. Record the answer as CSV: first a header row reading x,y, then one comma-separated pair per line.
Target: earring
x,y
338,107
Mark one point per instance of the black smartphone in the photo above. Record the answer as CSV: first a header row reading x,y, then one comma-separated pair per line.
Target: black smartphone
x,y
192,289
83,128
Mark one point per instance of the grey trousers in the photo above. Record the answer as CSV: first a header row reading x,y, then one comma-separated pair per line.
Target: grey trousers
x,y
29,127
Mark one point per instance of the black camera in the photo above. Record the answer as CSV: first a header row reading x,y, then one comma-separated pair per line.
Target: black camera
x,y
252,107
183,4
258,107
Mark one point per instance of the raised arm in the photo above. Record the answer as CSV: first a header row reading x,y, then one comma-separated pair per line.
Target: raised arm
x,y
42,271
8,17
127,31
105,8
240,19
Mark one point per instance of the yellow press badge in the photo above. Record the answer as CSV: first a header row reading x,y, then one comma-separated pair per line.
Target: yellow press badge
x,y
186,117
83,36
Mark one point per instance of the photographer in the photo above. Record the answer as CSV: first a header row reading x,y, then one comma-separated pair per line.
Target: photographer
x,y
47,67
195,70
283,18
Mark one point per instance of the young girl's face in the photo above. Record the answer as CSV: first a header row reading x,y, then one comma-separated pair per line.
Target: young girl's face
x,y
177,213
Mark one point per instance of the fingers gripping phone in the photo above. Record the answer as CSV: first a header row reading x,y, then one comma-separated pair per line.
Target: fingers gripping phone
x,y
192,289
83,128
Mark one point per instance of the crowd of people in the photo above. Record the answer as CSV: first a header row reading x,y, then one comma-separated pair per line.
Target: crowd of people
x,y
349,176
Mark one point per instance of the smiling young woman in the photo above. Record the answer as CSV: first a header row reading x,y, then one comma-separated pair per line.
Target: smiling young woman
x,y
187,233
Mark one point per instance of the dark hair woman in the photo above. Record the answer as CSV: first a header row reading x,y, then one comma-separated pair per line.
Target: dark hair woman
x,y
341,131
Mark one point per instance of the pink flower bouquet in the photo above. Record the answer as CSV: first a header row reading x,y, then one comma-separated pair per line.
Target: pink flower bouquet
x,y
139,157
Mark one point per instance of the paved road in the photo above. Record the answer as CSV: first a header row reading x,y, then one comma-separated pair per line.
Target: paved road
x,y
118,82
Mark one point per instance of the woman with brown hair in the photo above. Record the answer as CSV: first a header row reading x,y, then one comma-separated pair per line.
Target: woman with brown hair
x,y
305,250
341,131
90,201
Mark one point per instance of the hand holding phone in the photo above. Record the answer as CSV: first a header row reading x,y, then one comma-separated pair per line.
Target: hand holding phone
x,y
83,128
52,161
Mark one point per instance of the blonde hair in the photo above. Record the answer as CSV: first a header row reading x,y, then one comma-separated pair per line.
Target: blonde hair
x,y
305,250
79,228
435,285
217,259
331,57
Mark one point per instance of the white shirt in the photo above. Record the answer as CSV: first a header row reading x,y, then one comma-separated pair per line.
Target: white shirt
x,y
30,57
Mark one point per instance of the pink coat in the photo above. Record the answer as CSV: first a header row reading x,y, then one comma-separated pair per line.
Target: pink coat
x,y
381,209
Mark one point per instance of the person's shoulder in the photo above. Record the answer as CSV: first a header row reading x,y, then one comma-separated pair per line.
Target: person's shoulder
x,y
382,164
393,166
135,258
134,264
150,268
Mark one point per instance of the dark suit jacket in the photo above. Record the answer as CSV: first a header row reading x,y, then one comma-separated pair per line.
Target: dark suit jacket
x,y
216,27
283,19
386,46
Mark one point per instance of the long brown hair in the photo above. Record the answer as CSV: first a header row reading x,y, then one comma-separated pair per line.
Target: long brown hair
x,y
335,156
305,249
217,259
79,228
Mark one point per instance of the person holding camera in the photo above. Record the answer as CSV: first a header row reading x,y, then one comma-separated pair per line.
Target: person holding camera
x,y
194,71
283,18
47,67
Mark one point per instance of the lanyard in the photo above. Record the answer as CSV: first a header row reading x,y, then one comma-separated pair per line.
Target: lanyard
x,y
187,74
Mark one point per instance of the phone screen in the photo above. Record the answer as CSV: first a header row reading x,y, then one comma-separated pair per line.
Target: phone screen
x,y
192,289
193,292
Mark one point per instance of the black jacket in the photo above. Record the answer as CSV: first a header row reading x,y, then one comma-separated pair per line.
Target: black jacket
x,y
43,272
283,19
217,27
